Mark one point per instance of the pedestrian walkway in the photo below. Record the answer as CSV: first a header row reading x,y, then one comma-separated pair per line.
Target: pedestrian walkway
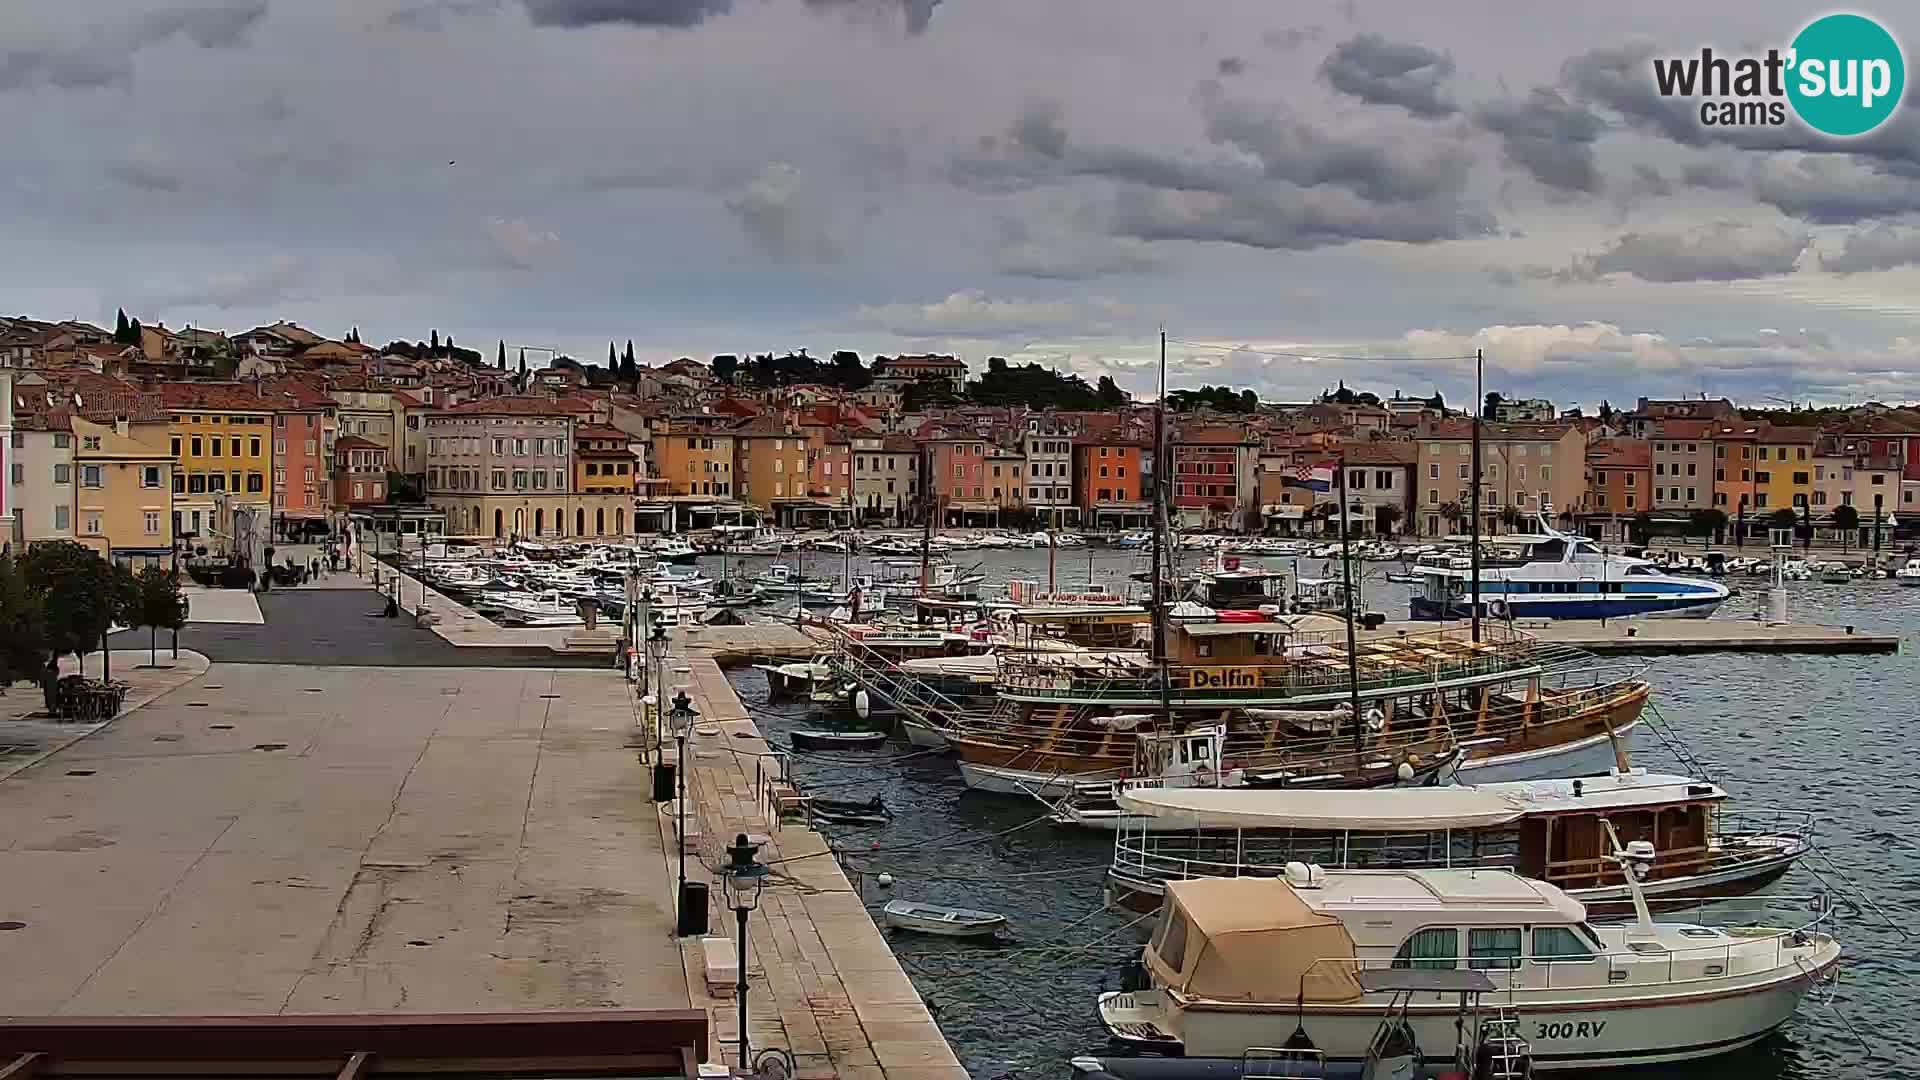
x,y
28,735
822,981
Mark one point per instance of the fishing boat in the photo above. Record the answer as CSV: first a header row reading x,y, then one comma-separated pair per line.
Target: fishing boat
x,y
1561,576
794,680
940,920
547,608
674,550
813,739
1909,574
1548,830
1235,963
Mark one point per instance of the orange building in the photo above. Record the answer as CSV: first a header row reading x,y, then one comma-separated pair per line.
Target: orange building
x,y
1110,482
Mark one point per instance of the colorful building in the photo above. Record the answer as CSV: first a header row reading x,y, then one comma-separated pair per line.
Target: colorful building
x,y
221,436
1215,477
1110,481
359,472
602,462
303,435
503,467
123,489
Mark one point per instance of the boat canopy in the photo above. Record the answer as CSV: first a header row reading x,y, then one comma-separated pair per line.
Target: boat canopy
x,y
1250,939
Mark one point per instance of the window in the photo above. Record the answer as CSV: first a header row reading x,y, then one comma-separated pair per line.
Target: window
x,y
179,482
1762,477
90,476
1559,944
153,523
197,484
236,446
499,479
253,446
1432,949
63,474
214,445
1630,479
1493,947
1433,496
62,517
257,482
150,476
1433,470
1599,477
62,440
1875,479
520,480
1463,472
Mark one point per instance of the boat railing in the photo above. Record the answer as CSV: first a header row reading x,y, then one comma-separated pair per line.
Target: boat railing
x,y
1738,953
1304,677
1733,826
916,698
1159,857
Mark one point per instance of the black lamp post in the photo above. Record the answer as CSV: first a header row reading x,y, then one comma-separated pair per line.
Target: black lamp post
x,y
1878,500
683,715
1740,527
657,646
744,879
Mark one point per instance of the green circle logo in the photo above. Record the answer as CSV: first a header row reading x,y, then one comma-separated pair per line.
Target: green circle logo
x,y
1848,75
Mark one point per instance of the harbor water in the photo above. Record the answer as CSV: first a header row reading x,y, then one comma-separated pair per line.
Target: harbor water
x,y
1830,734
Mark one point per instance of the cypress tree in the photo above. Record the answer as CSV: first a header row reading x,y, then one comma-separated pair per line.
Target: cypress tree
x,y
434,343
120,326
503,354
523,362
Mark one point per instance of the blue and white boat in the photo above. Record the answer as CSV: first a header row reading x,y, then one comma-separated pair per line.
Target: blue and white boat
x,y
1560,576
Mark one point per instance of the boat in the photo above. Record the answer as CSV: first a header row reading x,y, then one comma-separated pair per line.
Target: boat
x,y
1486,1044
812,739
1836,573
1521,708
848,812
795,680
674,550
1548,830
1909,574
1563,576
1234,963
548,608
941,920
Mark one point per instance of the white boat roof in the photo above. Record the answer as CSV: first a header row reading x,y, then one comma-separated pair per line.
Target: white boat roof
x,y
1427,809
1228,629
1490,894
976,664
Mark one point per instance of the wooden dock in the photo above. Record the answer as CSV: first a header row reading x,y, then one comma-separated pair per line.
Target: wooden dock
x,y
1661,637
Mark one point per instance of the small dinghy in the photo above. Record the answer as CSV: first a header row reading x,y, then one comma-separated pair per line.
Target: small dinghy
x,y
848,812
837,740
941,920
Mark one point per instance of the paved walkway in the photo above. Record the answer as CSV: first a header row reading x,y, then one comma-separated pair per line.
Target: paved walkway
x,y
272,839
222,606
836,996
28,735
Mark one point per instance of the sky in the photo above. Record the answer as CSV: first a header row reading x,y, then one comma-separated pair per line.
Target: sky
x,y
1301,194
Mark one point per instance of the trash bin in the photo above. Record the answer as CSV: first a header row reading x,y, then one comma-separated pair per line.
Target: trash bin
x,y
693,909
663,782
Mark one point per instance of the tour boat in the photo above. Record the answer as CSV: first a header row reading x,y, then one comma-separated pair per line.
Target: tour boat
x,y
1520,708
1238,963
1549,830
1564,576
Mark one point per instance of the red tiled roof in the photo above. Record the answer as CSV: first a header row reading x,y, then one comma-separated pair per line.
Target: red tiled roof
x,y
1380,452
598,431
1620,454
518,405
355,442
213,395
1682,429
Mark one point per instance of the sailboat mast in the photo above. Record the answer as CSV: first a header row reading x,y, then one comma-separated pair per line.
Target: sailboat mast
x,y
1160,482
927,503
1346,574
1479,403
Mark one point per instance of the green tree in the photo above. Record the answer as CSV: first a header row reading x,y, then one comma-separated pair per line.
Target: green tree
x,y
1386,518
1490,409
23,649
501,363
1436,402
433,342
847,372
724,366
1847,520
1109,393
523,362
75,591
927,393
121,327
1606,412
162,605
1707,523
133,332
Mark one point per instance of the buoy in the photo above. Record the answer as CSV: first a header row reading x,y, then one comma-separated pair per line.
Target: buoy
x,y
862,704
885,881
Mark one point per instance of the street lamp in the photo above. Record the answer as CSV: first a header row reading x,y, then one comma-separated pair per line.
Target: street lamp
x,y
683,714
744,879
657,645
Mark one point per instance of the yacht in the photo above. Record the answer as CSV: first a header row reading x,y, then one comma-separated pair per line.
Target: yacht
x,y
674,549
1237,964
1563,576
1908,575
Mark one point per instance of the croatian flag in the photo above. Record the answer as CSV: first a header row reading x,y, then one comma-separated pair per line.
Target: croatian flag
x,y
1311,477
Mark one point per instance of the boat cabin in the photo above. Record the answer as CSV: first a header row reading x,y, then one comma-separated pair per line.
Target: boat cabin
x,y
1229,642
1230,586
1547,830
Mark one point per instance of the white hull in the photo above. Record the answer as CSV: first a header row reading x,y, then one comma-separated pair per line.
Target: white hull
x,y
1568,1029
922,736
1591,756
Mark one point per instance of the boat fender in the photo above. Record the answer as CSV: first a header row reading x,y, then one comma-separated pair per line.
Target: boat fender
x,y
885,880
862,704
1404,772
1497,609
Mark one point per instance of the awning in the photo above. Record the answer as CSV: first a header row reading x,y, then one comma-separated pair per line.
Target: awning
x,y
1251,939
1380,810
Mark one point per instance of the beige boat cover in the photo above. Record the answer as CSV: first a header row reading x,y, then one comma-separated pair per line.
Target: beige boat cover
x,y
1250,939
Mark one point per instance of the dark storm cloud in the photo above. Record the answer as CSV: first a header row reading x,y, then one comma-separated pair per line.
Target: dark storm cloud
x,y
103,56
1878,247
1281,216
679,14
1382,72
1378,168
1548,136
1721,251
780,218
1833,190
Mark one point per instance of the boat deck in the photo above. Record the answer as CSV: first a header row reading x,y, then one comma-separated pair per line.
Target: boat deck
x,y
1652,637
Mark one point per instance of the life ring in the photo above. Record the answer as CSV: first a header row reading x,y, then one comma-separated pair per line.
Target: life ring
x,y
1498,609
862,704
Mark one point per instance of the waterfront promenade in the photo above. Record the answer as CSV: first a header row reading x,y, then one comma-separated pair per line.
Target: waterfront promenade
x,y
284,831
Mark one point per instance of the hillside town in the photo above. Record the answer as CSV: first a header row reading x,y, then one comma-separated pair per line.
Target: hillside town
x,y
143,439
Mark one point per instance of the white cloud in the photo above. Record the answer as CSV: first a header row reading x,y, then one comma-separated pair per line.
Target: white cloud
x,y
971,314
520,244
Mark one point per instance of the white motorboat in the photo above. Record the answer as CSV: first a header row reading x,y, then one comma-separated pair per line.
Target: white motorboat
x,y
941,920
674,549
548,608
793,680
1909,575
1238,963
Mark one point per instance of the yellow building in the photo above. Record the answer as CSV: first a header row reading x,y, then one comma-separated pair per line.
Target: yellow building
x,y
1783,467
221,441
697,460
123,490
